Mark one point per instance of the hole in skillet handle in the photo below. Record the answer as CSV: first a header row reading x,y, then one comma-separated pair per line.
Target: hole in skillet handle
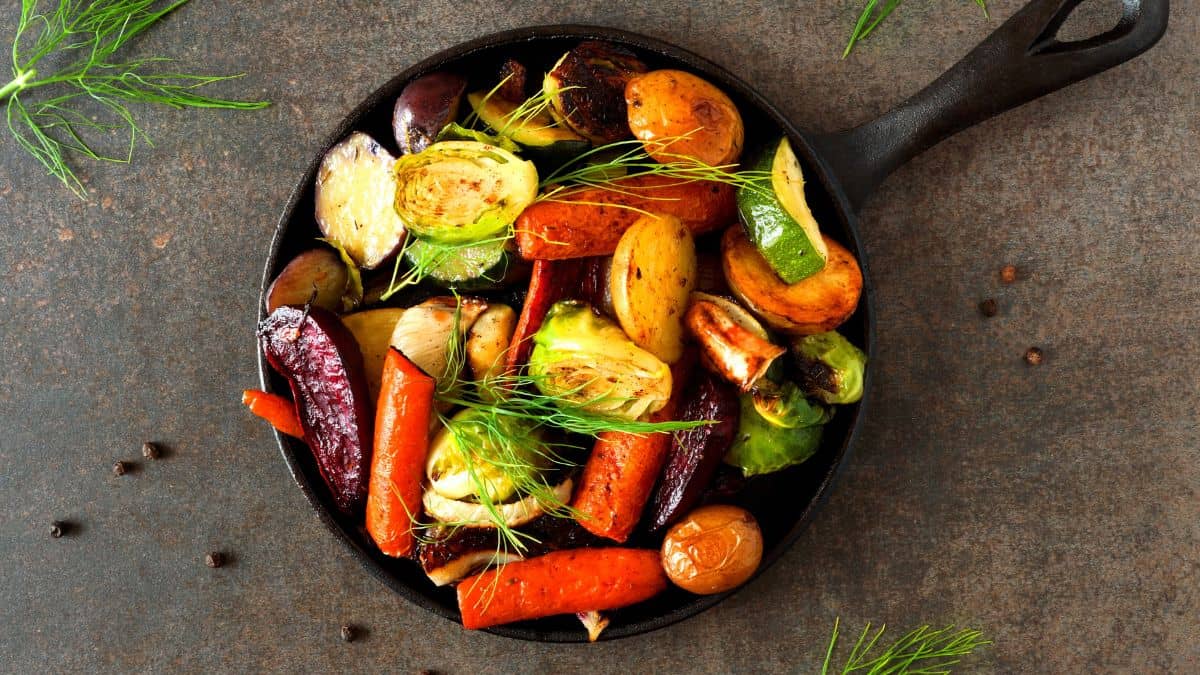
x,y
784,503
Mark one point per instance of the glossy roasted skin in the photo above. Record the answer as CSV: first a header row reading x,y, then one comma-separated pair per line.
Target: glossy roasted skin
x,y
677,114
321,362
714,549
589,84
425,106
318,271
695,454
586,222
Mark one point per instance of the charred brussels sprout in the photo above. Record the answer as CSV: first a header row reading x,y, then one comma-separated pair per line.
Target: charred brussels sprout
x,y
587,90
828,367
776,430
587,360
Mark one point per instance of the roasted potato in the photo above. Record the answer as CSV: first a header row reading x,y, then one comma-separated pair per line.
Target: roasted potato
x,y
676,113
355,193
372,329
653,270
813,305
319,270
488,340
587,90
426,105
712,550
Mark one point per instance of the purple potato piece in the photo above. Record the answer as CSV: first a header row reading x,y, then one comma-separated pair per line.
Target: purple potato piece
x,y
319,269
321,362
696,453
514,78
426,105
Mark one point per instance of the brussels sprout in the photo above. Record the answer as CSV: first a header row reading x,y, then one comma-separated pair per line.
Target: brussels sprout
x,y
471,451
829,367
587,360
776,430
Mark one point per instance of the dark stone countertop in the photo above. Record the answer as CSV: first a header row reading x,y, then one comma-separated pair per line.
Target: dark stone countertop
x,y
1055,508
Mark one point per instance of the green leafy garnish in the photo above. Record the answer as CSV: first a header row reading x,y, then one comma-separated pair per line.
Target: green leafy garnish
x,y
873,13
62,117
922,651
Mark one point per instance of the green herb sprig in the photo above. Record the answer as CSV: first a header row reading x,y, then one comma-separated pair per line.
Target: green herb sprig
x,y
873,13
45,112
924,651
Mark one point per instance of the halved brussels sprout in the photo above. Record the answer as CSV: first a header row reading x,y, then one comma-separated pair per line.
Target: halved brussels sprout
x,y
829,367
587,360
460,191
777,428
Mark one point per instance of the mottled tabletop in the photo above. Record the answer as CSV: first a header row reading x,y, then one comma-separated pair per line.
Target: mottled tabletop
x,y
1055,507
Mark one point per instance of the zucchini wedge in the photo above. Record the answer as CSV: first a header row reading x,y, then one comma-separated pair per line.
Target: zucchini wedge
x,y
778,219
537,133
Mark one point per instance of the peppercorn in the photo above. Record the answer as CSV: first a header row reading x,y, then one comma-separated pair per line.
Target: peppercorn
x,y
214,559
348,633
150,450
57,529
119,469
988,307
1008,274
1033,356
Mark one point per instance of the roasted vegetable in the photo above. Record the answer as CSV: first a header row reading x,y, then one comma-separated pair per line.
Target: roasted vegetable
x,y
733,344
587,90
322,364
401,443
355,193
488,341
653,270
318,271
587,360
470,457
423,332
777,217
424,108
676,114
514,81
828,367
549,282
461,266
595,286
777,428
537,132
372,330
583,222
713,550
815,305
695,454
562,582
461,551
513,514
594,623
457,132
462,191
277,410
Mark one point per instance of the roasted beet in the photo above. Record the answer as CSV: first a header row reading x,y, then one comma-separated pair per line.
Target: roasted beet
x,y
427,104
464,550
514,81
696,453
323,366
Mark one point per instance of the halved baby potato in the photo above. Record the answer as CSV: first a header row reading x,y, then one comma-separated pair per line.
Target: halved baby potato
x,y
355,197
653,271
813,305
675,113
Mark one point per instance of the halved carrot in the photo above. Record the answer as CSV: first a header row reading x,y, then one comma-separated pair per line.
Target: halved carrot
x,y
590,221
562,582
401,443
549,282
279,411
623,468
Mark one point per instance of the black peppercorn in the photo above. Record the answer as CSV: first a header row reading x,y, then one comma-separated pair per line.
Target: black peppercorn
x,y
214,559
150,450
119,469
348,633
57,529
1033,356
988,307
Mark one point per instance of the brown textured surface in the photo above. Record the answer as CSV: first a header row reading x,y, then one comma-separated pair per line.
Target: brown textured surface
x,y
1054,507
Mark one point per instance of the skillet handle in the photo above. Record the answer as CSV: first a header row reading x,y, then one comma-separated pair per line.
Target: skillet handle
x,y
1017,63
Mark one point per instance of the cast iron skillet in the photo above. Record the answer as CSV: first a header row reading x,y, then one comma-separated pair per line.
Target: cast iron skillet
x,y
1021,61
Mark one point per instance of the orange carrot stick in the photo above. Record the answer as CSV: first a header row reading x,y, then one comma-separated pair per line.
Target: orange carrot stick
x,y
401,443
277,410
623,468
549,282
590,221
562,582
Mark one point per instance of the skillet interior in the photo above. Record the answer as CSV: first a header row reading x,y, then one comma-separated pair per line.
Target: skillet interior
x,y
783,502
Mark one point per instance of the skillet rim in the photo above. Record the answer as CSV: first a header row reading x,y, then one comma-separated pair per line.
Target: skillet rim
x,y
390,89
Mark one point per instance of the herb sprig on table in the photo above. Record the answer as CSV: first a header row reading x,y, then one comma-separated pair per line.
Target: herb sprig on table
x,y
873,13
87,91
922,651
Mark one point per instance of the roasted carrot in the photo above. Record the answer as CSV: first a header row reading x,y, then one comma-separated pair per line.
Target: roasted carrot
x,y
563,582
590,221
401,443
623,468
549,282
277,410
